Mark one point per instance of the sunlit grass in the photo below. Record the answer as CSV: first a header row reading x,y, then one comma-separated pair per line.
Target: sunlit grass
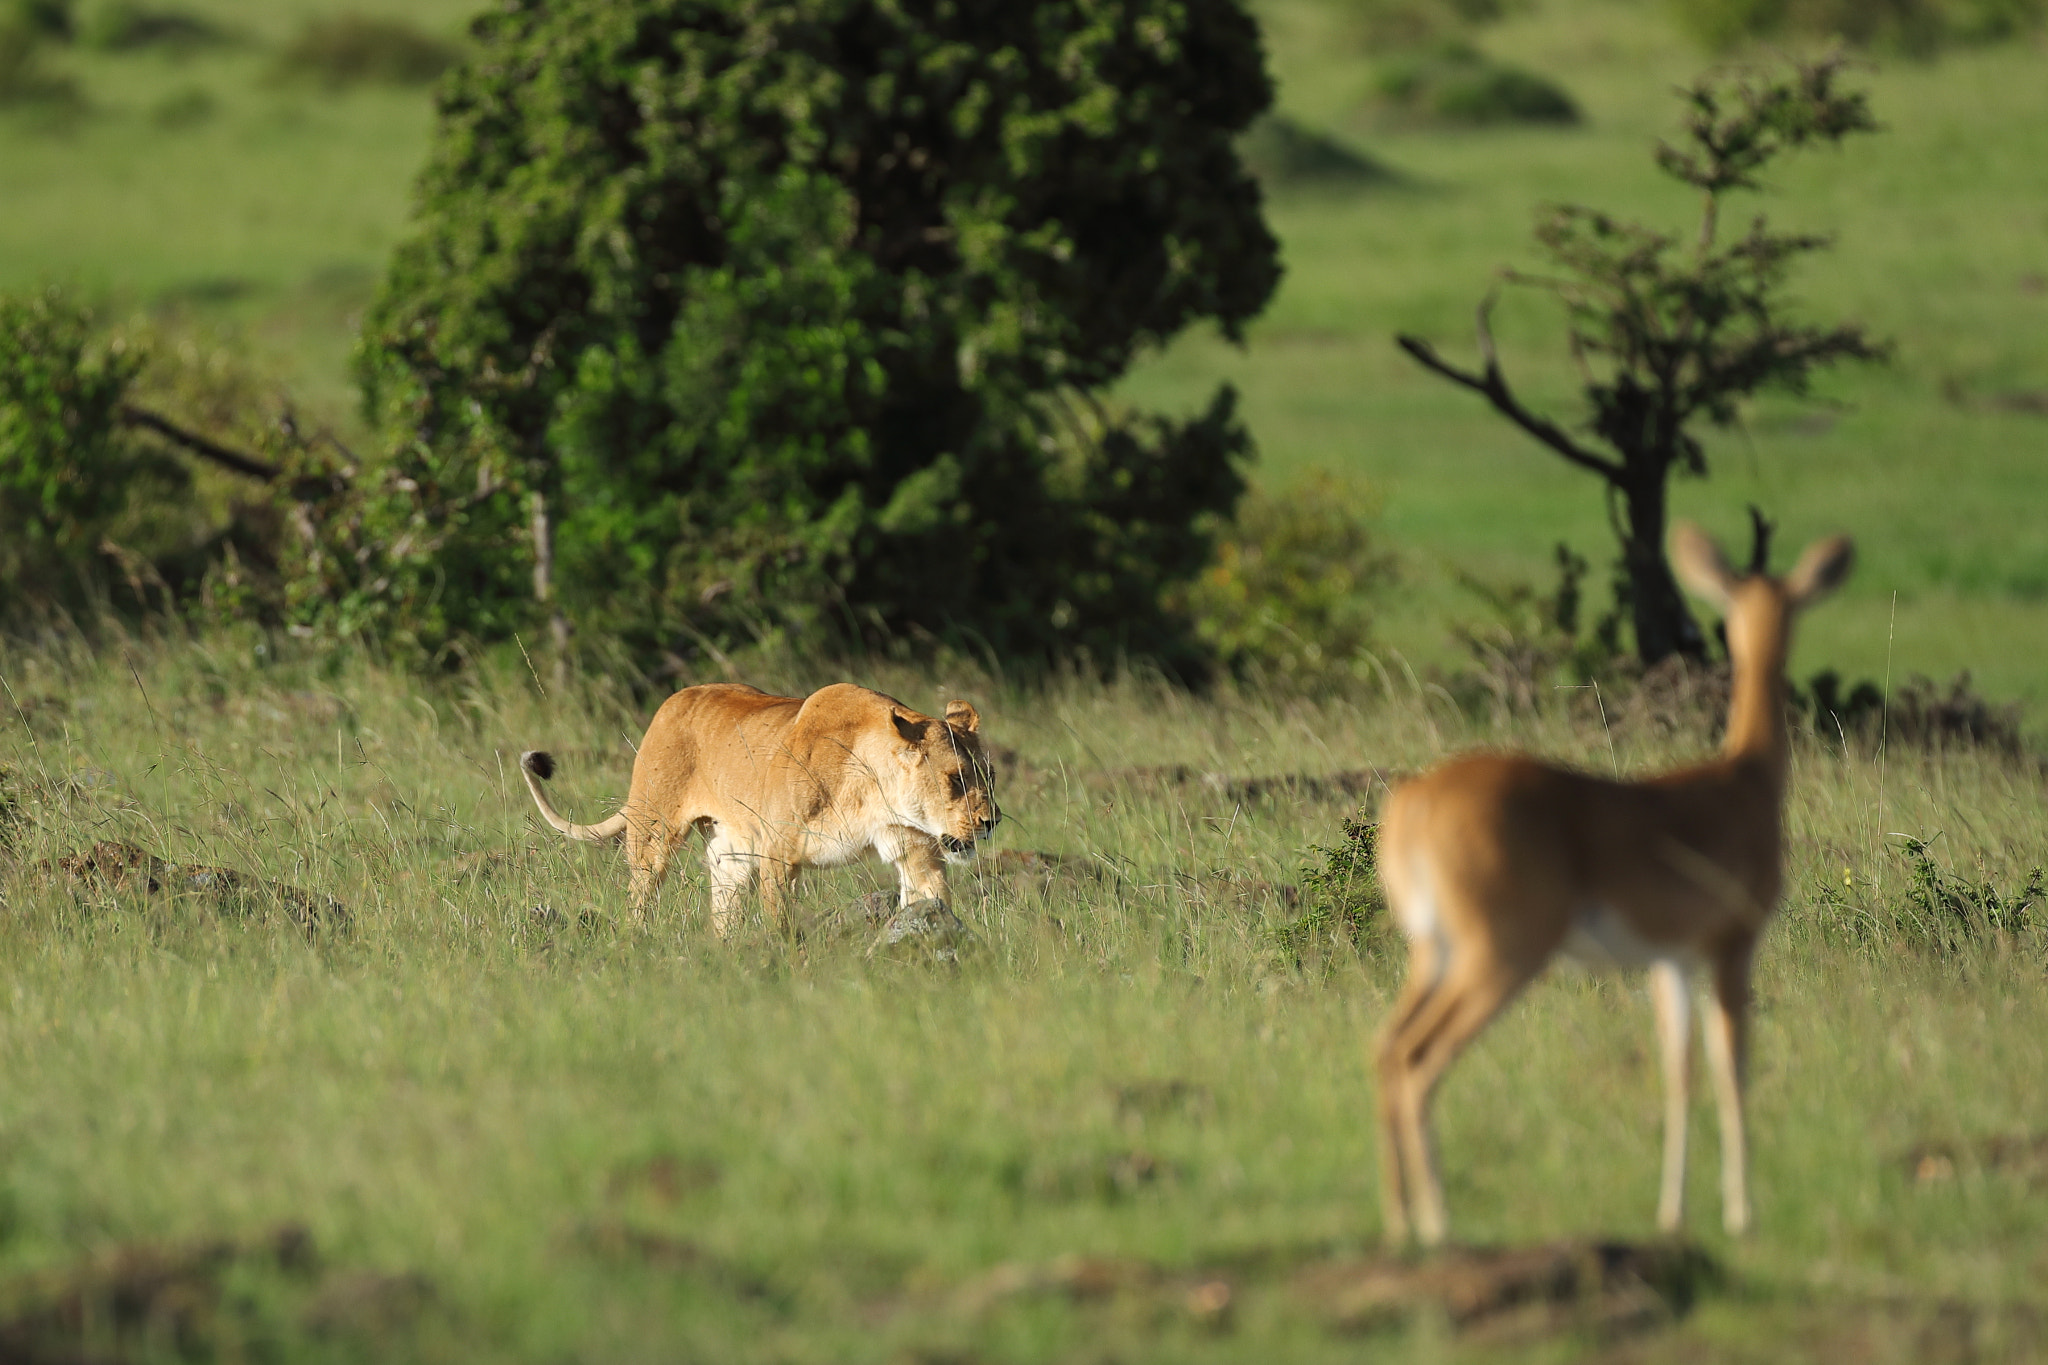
x,y
456,1088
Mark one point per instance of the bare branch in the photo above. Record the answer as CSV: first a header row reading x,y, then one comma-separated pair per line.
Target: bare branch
x,y
1495,388
1760,528
245,465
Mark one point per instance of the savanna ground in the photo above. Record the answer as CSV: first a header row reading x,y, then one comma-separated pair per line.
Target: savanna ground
x,y
516,1124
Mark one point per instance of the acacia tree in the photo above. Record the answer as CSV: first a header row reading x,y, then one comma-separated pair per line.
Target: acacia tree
x,y
722,316
1668,333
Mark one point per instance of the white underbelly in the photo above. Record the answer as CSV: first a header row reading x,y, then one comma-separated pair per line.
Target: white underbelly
x,y
1601,937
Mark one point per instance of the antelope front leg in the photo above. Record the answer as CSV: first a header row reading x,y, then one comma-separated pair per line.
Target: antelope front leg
x,y
1727,1056
1674,1043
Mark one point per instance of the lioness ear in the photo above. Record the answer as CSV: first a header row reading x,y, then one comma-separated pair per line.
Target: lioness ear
x,y
1701,564
961,716
913,728
1820,570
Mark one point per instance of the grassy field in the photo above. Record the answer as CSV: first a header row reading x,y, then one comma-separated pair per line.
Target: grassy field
x,y
527,1134
516,1125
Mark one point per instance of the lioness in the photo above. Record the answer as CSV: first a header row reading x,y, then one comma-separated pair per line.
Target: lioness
x,y
777,784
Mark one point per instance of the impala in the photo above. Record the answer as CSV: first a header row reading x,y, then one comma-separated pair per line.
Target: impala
x,y
1494,863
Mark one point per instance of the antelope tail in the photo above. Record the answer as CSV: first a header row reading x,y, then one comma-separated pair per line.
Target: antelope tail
x,y
537,767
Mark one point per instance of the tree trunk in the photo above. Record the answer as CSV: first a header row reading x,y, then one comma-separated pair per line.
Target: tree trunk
x,y
1664,624
543,530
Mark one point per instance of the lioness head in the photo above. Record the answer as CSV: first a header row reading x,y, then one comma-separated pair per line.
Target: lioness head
x,y
949,795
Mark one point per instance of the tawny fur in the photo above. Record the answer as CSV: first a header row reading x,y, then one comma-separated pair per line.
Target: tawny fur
x,y
1494,863
778,784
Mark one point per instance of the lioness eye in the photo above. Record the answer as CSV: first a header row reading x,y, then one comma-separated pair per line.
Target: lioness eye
x,y
959,783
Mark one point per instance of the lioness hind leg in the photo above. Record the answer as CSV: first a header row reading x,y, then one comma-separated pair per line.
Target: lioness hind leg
x,y
649,846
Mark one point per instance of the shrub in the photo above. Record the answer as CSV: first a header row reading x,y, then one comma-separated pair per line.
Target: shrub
x,y
355,50
125,26
67,469
1341,895
24,81
1455,84
38,18
1289,597
788,317
184,108
1920,713
1907,26
1942,911
1382,25
1281,152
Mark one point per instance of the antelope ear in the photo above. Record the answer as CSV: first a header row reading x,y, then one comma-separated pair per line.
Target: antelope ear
x,y
911,726
1701,565
1820,570
961,716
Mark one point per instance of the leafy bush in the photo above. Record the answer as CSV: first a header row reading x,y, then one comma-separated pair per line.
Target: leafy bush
x,y
1281,152
1907,26
1341,895
126,26
1290,595
1920,713
1383,25
352,49
739,320
1457,84
67,468
38,18
1942,912
184,108
25,82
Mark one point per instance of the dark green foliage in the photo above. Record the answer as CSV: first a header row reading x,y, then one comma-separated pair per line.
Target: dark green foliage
x,y
351,49
1283,153
66,467
1673,331
784,318
39,18
1531,642
25,80
126,26
1340,893
1914,27
1289,599
1457,84
1920,713
1947,912
1387,25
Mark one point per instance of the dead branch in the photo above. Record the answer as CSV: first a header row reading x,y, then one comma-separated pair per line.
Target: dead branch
x,y
245,465
1494,385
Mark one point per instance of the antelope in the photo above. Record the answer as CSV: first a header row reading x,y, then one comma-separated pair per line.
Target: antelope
x,y
1494,863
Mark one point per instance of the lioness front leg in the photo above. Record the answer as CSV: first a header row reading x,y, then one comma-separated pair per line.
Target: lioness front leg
x,y
921,873
730,871
778,884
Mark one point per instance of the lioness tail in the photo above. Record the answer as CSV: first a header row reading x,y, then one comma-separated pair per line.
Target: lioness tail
x,y
537,767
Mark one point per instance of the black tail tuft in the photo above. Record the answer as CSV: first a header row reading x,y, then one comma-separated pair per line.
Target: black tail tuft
x,y
539,763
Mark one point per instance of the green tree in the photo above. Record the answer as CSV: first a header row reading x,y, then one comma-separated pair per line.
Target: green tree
x,y
723,316
1671,333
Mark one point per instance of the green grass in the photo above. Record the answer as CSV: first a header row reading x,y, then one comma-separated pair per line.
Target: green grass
x,y
452,1090
456,1089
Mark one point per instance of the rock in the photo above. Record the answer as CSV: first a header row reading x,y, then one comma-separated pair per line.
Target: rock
x,y
923,927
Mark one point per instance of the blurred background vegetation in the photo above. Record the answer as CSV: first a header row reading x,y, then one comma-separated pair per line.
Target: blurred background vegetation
x,y
220,186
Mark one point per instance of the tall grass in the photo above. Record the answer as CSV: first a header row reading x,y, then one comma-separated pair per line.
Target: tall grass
x,y
1139,1061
